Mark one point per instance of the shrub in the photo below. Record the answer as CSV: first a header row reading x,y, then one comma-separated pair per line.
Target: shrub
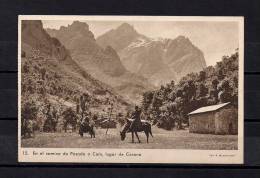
x,y
29,113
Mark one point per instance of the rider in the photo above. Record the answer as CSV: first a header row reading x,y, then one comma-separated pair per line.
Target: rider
x,y
136,117
85,120
88,120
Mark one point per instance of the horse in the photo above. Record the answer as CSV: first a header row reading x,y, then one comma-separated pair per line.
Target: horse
x,y
85,127
144,127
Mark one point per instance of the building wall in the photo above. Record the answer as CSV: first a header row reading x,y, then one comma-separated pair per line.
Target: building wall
x,y
202,123
226,121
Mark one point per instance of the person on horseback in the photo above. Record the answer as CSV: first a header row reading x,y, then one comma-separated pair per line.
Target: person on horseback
x,y
136,119
137,125
87,125
85,120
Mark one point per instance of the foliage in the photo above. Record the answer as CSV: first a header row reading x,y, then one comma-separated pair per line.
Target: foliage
x,y
47,83
28,117
50,123
170,105
69,118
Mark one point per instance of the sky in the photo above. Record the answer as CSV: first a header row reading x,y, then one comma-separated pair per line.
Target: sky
x,y
215,38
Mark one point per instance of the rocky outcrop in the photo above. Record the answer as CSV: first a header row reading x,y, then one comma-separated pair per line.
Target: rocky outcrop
x,y
35,36
84,49
183,57
159,60
104,64
75,35
49,73
118,38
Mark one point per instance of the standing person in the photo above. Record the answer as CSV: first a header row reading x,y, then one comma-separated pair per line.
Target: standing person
x,y
137,120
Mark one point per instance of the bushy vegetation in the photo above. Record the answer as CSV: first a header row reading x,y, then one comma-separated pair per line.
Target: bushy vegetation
x,y
168,106
70,118
28,118
57,99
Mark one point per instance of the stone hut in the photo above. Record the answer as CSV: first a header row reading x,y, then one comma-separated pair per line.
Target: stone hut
x,y
216,119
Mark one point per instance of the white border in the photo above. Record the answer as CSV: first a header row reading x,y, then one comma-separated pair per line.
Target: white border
x,y
148,155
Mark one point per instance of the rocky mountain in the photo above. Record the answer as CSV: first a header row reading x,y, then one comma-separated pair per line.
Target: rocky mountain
x,y
84,49
103,64
50,75
119,38
158,60
35,37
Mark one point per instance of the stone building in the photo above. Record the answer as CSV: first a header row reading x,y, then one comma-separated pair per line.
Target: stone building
x,y
215,119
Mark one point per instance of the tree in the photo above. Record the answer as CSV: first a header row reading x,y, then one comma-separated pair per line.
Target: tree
x,y
225,93
43,73
69,117
55,118
28,117
172,112
172,85
157,101
193,91
147,100
235,91
220,74
179,111
25,68
189,89
52,119
171,96
110,110
202,76
202,90
83,103
23,54
213,92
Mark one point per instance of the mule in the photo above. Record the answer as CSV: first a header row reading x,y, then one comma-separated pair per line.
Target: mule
x,y
87,128
144,127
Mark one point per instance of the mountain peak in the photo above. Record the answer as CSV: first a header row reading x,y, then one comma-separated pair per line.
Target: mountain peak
x,y
76,28
184,41
119,38
126,27
32,23
35,36
77,25
182,38
110,50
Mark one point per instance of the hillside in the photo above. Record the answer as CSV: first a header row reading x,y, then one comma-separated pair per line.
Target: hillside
x,y
51,77
103,64
158,60
168,106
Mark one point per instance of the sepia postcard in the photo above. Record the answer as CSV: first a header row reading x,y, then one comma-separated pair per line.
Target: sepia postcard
x,y
131,89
